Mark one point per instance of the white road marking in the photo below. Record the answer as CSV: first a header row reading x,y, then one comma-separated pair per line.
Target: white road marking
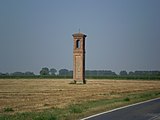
x,y
121,108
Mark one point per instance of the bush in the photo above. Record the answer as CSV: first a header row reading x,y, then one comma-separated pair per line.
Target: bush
x,y
8,109
127,99
75,109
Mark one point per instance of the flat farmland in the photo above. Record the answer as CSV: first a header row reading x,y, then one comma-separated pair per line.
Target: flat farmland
x,y
27,95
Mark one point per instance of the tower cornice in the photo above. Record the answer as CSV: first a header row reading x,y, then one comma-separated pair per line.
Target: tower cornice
x,y
79,35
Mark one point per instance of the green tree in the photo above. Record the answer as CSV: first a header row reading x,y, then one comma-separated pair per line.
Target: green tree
x,y
131,73
44,71
53,71
17,74
123,73
4,74
28,73
63,72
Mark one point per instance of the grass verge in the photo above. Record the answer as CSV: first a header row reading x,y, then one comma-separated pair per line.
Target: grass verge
x,y
77,111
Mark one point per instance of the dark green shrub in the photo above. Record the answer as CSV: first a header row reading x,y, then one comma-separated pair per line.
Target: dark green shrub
x,y
75,109
8,109
127,99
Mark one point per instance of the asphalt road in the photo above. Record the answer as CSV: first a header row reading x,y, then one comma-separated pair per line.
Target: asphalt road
x,y
149,110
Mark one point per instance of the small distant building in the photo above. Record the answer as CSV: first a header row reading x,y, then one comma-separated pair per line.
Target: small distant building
x,y
79,57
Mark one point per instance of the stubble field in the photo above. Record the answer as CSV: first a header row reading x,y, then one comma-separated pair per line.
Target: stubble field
x,y
24,95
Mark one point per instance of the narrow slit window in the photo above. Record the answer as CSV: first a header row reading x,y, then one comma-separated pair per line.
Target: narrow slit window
x,y
78,44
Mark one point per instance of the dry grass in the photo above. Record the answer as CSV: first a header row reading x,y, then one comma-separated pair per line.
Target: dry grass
x,y
38,94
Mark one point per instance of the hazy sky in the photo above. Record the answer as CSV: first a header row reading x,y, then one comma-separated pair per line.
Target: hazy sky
x,y
121,34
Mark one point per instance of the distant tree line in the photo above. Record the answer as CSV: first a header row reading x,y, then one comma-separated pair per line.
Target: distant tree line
x,y
53,72
99,73
18,74
139,73
65,73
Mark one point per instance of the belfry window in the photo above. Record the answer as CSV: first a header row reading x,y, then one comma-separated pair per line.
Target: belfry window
x,y
78,44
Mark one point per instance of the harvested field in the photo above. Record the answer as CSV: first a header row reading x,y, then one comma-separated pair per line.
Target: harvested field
x,y
37,94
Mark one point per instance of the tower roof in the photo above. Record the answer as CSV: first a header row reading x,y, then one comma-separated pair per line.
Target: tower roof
x,y
79,35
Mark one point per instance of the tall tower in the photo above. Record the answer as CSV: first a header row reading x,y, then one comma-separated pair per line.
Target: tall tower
x,y
79,57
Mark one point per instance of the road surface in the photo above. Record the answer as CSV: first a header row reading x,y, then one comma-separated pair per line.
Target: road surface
x,y
149,110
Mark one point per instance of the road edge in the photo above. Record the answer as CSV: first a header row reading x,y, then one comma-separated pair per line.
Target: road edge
x,y
119,108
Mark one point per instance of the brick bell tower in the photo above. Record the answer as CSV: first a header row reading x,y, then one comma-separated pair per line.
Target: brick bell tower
x,y
79,57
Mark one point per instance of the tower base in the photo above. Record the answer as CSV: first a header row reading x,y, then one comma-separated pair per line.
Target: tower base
x,y
78,82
